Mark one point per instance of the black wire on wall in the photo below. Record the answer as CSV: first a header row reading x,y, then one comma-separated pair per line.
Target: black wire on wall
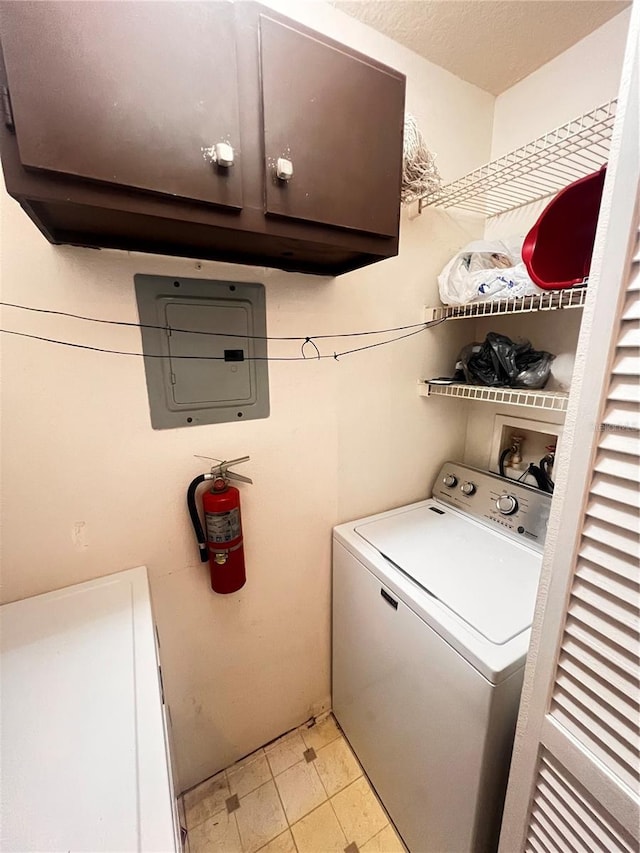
x,y
305,340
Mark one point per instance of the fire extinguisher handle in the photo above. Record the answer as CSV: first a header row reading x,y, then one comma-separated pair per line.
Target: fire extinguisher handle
x,y
195,518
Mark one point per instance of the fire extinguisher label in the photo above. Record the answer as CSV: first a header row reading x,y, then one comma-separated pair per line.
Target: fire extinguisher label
x,y
223,526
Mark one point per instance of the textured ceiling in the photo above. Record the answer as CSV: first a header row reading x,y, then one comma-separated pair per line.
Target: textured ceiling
x,y
492,43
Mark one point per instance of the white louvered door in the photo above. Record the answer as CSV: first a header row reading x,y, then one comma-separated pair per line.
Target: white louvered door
x,y
575,776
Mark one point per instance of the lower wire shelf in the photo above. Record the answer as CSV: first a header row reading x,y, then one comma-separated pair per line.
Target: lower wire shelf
x,y
555,401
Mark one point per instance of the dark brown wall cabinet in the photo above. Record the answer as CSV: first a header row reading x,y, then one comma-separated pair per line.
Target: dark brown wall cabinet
x,y
207,130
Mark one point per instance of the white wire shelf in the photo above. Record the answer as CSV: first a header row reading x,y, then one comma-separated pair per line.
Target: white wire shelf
x,y
555,401
551,300
534,171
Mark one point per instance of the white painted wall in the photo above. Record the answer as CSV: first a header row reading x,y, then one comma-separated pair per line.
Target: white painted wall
x,y
90,488
581,78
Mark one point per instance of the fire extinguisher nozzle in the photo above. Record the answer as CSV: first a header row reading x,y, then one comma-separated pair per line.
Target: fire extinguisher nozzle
x,y
204,553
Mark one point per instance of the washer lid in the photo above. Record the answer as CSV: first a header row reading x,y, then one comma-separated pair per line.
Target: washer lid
x,y
487,580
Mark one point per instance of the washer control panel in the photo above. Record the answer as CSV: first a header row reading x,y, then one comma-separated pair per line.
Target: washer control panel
x,y
517,510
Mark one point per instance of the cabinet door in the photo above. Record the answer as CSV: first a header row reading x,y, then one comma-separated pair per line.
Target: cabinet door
x,y
131,93
338,117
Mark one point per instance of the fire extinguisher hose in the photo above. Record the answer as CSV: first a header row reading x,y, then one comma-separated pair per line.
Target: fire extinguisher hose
x,y
195,518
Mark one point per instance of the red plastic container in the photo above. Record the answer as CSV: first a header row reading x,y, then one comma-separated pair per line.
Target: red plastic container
x,y
557,251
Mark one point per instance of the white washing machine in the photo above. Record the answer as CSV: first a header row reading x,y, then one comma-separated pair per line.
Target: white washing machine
x,y
432,608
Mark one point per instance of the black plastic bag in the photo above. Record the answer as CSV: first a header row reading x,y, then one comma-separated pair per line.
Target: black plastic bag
x,y
501,363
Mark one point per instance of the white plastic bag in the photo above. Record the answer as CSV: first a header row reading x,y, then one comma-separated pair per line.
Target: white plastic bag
x,y
485,271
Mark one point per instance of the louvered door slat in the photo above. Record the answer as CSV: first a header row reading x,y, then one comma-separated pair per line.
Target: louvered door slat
x,y
629,335
552,831
609,558
621,638
612,535
577,801
617,465
617,490
610,607
631,310
534,847
597,740
625,589
585,667
585,707
596,737
627,362
634,274
535,843
621,442
622,415
619,635
591,639
613,513
624,389
583,700
574,810
559,813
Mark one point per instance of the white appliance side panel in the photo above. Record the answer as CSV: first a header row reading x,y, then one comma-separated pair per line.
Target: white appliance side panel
x,y
415,712
159,826
83,759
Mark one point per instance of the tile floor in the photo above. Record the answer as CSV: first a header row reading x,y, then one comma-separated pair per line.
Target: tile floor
x,y
304,792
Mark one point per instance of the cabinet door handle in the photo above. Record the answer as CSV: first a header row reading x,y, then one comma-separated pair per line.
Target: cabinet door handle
x,y
223,154
388,598
284,169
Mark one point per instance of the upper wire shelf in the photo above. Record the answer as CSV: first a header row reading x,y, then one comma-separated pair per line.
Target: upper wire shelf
x,y
551,300
534,171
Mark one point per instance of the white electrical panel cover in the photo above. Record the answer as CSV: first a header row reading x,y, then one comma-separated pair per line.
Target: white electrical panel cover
x,y
205,350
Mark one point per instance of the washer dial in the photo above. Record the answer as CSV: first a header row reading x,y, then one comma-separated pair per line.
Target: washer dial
x,y
450,481
507,504
468,488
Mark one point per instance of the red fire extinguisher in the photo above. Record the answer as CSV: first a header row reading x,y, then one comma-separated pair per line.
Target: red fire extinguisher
x,y
222,545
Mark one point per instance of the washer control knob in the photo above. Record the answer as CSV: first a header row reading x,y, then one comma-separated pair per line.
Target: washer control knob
x,y
450,481
507,504
468,488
